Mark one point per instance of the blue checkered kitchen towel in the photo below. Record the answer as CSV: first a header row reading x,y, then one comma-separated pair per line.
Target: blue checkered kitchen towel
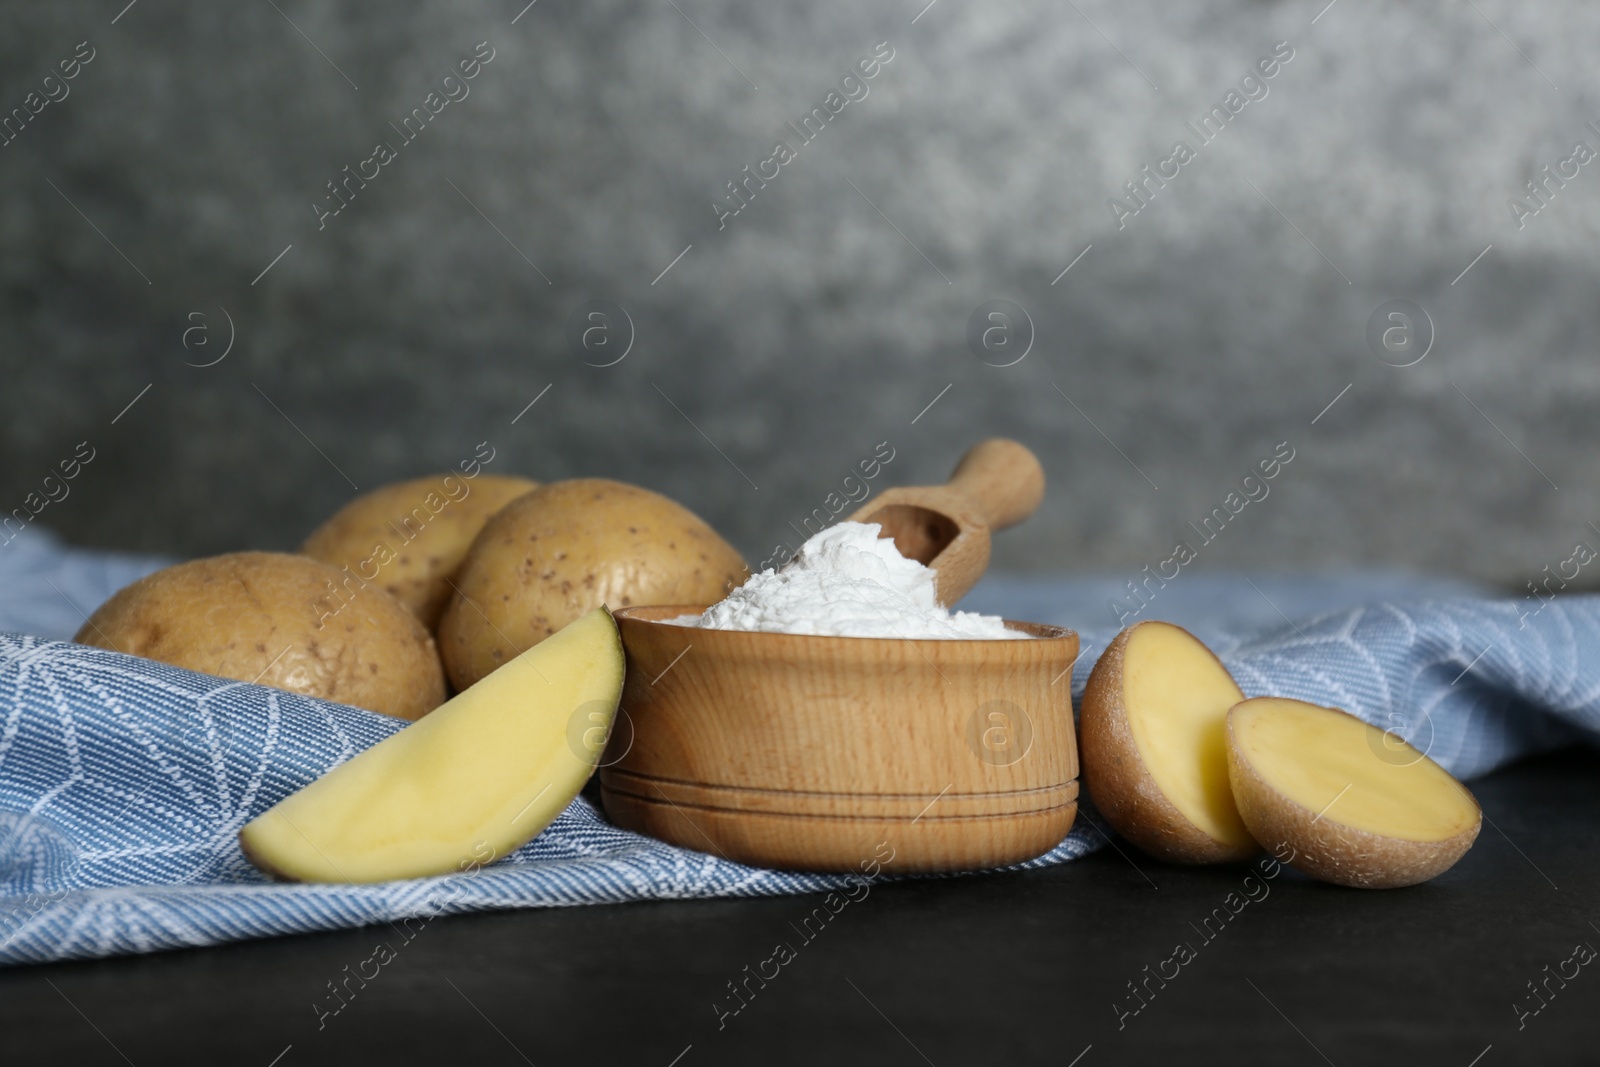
x,y
123,782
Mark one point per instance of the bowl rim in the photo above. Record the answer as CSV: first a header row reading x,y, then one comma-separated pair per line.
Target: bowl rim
x,y
632,614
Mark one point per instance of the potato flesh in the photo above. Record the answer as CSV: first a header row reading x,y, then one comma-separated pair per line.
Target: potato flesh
x,y
1176,696
1329,763
476,779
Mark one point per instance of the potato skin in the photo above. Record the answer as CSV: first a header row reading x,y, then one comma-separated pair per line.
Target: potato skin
x,y
567,548
424,554
1329,850
233,615
1118,782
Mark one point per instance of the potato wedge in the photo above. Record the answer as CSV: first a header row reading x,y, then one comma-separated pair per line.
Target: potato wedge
x,y
1151,737
1325,792
469,784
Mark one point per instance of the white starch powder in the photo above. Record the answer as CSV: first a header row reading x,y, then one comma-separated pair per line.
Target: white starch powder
x,y
847,582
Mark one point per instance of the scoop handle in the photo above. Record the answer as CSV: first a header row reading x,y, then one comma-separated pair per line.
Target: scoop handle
x,y
1003,478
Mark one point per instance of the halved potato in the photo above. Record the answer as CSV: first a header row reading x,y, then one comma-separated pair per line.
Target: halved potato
x,y
1324,784
1151,736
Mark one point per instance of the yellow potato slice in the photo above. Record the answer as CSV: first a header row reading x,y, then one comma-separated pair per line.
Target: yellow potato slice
x,y
1342,801
1152,738
473,781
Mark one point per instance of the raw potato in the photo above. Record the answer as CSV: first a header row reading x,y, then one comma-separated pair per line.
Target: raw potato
x,y
1152,740
1353,808
567,548
274,618
412,536
468,785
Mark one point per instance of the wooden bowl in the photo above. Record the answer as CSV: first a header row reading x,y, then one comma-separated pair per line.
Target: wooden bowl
x,y
827,753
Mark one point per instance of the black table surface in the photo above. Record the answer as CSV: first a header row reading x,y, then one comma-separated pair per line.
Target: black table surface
x,y
1021,967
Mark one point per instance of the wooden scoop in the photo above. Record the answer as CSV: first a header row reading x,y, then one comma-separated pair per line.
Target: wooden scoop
x,y
997,484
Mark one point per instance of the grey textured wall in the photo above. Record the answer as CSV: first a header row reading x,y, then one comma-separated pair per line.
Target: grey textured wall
x,y
1192,338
